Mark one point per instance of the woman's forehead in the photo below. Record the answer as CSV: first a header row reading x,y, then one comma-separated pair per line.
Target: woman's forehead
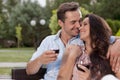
x,y
86,19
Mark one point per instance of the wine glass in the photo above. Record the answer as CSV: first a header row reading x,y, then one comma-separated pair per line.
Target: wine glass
x,y
84,60
81,63
54,47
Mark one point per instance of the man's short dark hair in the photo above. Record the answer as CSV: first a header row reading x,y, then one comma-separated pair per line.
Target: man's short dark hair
x,y
64,7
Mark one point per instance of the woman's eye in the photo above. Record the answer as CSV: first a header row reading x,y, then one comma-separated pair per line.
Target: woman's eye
x,y
85,23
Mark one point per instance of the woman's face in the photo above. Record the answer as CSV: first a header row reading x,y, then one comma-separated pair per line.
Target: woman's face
x,y
85,29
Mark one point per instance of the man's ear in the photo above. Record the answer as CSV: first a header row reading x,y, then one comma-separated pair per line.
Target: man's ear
x,y
60,23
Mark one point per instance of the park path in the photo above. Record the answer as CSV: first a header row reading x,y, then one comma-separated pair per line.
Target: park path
x,y
12,64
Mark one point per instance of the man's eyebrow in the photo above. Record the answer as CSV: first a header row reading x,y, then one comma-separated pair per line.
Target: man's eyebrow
x,y
73,21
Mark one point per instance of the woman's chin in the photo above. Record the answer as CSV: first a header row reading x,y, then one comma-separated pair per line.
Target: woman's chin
x,y
82,38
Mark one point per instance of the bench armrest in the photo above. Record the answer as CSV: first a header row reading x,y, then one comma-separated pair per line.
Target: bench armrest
x,y
20,74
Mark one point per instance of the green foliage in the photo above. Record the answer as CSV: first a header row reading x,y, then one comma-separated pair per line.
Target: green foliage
x,y
10,4
1,6
6,32
18,13
107,9
53,23
114,24
23,14
55,3
18,34
118,33
84,11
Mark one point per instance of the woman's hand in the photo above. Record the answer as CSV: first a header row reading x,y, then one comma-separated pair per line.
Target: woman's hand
x,y
82,75
73,50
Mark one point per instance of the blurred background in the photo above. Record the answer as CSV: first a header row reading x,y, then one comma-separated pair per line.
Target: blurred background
x,y
24,23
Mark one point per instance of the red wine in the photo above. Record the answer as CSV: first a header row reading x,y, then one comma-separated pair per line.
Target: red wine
x,y
57,51
87,66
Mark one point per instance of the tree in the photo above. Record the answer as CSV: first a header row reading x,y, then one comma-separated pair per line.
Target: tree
x,y
118,33
110,8
55,3
6,32
10,4
53,23
18,34
23,14
1,6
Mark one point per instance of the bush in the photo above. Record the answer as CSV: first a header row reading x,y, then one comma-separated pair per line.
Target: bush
x,y
53,23
114,24
118,33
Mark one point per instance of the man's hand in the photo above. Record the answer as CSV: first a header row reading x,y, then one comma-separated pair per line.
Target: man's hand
x,y
34,65
48,56
114,56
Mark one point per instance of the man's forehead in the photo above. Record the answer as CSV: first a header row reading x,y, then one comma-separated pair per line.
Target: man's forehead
x,y
71,16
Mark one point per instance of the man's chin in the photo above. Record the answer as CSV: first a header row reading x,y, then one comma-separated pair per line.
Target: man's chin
x,y
75,35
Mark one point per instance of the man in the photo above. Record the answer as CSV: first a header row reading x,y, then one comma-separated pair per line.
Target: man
x,y
69,18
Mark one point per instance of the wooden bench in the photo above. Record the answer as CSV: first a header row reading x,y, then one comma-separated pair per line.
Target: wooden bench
x,y
20,74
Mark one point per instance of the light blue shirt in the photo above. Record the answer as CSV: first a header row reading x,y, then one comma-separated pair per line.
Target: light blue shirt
x,y
47,44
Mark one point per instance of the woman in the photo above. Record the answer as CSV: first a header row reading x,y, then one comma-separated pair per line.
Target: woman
x,y
95,33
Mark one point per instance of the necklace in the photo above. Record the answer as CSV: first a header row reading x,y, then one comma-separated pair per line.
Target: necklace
x,y
63,40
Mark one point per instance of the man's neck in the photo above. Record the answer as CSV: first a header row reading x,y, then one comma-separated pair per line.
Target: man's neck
x,y
65,38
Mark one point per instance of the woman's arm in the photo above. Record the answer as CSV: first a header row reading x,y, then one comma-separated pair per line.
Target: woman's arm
x,y
68,61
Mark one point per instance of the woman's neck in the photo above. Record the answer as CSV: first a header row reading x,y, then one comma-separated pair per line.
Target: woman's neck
x,y
88,47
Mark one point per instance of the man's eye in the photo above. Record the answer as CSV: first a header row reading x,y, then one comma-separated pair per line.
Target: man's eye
x,y
73,22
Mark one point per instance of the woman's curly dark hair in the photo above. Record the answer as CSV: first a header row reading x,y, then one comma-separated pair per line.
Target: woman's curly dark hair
x,y
100,33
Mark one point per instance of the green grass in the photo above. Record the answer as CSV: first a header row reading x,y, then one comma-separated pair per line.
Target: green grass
x,y
14,55
5,71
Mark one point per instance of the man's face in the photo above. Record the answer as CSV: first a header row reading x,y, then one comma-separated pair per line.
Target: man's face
x,y
71,23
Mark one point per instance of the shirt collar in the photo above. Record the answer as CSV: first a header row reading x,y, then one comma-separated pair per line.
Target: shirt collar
x,y
57,36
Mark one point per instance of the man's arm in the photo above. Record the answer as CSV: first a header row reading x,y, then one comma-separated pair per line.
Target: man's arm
x,y
114,55
34,65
